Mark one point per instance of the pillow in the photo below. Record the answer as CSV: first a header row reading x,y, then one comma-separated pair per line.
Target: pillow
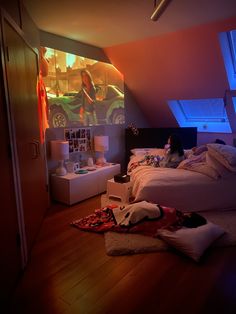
x,y
157,151
192,241
214,163
149,151
225,154
139,151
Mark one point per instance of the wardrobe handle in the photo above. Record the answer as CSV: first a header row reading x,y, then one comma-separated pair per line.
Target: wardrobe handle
x,y
34,149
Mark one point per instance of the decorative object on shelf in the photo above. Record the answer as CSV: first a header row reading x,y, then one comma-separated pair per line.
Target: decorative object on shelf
x,y
101,145
81,171
76,166
79,139
91,168
60,152
90,162
70,166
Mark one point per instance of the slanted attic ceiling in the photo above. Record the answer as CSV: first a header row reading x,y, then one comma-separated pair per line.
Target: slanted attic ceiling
x,y
106,23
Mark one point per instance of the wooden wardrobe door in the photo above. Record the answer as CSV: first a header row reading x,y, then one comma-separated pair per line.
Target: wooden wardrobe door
x,y
21,72
10,262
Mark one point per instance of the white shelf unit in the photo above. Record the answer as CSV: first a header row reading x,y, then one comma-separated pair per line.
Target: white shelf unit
x,y
73,188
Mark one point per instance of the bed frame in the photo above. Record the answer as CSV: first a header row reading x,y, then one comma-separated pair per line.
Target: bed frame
x,y
157,138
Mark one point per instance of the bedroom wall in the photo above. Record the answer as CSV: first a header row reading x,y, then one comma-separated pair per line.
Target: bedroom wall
x,y
211,137
182,65
116,132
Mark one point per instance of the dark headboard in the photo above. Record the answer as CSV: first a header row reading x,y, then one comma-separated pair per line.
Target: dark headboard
x,y
157,137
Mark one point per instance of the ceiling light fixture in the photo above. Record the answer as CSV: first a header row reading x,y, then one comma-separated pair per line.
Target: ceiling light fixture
x,y
159,8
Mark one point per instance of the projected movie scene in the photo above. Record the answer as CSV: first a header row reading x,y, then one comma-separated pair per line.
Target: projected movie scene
x,y
82,91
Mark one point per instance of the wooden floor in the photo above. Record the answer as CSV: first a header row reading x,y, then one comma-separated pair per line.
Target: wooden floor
x,y
69,272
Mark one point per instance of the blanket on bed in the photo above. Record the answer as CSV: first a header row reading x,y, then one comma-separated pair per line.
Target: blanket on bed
x,y
199,164
103,220
183,189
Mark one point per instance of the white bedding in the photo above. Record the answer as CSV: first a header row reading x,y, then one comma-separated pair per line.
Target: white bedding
x,y
183,189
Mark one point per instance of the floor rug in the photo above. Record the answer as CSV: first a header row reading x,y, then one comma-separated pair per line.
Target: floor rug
x,y
122,244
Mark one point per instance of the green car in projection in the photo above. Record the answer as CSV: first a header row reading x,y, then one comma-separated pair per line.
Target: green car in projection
x,y
64,111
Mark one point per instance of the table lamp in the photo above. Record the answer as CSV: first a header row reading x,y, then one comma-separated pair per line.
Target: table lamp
x,y
60,152
101,145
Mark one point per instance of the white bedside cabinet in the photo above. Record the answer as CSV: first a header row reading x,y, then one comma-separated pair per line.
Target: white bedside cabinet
x,y
73,188
121,191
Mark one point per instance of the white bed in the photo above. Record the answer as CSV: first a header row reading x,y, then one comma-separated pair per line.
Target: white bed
x,y
184,189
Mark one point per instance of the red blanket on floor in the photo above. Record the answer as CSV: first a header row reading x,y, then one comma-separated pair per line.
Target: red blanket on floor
x,y
102,220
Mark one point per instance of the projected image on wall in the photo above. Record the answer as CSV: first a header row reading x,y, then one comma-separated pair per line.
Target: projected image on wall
x,y
82,91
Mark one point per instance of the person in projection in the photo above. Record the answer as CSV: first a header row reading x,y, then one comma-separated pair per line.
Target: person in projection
x,y
87,113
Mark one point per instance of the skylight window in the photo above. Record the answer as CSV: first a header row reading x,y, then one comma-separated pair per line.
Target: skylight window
x,y
208,115
228,47
234,102
216,114
232,43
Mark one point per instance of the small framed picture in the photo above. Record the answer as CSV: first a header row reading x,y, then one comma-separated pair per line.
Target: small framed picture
x,y
76,166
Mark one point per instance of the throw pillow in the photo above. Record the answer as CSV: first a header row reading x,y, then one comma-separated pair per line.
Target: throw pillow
x,y
192,241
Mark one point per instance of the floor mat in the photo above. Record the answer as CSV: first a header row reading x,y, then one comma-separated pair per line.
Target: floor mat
x,y
121,244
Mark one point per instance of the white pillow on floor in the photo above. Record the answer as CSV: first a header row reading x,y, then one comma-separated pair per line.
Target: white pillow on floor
x,y
192,241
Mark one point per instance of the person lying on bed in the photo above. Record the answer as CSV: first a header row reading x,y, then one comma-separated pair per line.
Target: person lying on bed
x,y
174,152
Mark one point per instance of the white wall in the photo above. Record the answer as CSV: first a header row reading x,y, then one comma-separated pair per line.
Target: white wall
x,y
204,138
133,114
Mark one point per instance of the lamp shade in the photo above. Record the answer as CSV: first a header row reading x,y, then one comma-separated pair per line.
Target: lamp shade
x,y
101,143
59,150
